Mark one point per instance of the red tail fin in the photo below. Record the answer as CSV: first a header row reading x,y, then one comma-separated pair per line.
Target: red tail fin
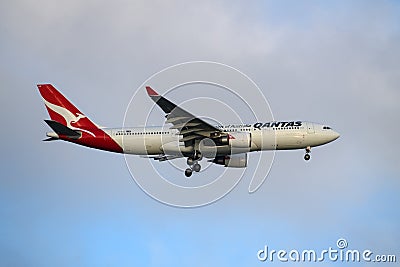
x,y
63,111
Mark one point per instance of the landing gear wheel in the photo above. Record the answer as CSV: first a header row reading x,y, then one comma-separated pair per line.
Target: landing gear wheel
x,y
196,167
190,161
307,157
188,172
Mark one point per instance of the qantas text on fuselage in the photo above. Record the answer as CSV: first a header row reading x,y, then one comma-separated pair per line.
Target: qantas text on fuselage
x,y
186,137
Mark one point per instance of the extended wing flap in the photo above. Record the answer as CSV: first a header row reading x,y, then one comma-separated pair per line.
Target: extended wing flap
x,y
188,124
190,130
191,137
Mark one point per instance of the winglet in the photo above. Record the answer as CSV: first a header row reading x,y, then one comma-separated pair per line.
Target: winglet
x,y
151,92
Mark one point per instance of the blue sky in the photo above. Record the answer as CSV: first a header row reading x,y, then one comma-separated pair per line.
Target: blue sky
x,y
335,63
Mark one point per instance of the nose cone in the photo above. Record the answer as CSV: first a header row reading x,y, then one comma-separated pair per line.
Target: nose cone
x,y
335,135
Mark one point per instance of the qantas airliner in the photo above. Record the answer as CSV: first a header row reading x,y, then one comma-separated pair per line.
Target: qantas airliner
x,y
188,136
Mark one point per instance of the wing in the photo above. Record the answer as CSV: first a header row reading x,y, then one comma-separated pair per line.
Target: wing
x,y
162,157
188,125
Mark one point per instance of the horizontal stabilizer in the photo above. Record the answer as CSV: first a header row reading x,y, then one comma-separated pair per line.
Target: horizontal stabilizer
x,y
61,129
50,139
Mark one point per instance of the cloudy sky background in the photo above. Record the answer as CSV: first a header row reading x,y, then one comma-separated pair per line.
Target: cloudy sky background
x,y
336,62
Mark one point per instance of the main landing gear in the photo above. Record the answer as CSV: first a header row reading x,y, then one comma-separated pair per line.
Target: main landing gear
x,y
307,155
194,166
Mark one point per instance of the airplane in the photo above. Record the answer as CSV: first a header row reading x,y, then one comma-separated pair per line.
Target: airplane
x,y
188,136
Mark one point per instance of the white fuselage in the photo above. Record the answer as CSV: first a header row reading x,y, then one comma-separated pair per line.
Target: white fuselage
x,y
264,136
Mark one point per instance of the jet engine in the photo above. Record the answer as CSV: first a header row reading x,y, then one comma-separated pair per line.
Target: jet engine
x,y
234,161
235,140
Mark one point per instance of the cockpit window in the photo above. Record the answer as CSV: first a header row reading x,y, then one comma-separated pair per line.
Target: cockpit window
x,y
326,128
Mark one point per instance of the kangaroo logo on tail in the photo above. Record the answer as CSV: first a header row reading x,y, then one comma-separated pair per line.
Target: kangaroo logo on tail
x,y
57,104
68,116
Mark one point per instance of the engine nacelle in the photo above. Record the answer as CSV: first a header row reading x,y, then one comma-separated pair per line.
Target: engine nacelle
x,y
235,140
233,161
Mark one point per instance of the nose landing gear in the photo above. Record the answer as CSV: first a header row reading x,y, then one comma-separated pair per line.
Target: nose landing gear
x,y
307,155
